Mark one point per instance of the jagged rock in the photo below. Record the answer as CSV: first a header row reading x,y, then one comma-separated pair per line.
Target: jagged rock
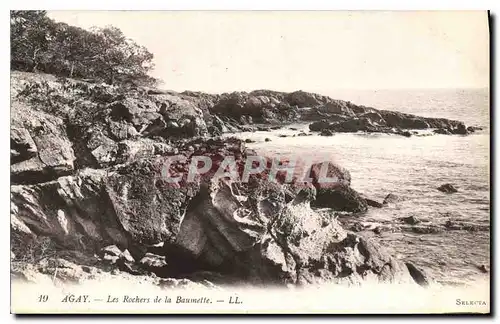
x,y
391,199
22,145
41,149
447,188
72,210
418,275
149,208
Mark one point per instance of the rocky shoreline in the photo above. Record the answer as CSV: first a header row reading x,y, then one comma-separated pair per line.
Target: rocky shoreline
x,y
88,199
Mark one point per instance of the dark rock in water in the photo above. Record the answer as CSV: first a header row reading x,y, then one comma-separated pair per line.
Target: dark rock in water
x,y
319,126
377,230
391,198
420,229
460,129
373,203
248,140
447,188
267,139
302,134
418,275
483,268
411,220
326,132
462,226
405,133
442,131
333,174
341,198
282,135
472,129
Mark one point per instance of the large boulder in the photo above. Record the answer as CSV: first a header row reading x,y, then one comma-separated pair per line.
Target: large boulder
x,y
137,112
318,126
341,198
328,174
148,208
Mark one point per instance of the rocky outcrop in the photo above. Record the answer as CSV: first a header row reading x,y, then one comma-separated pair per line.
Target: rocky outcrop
x,y
371,120
89,166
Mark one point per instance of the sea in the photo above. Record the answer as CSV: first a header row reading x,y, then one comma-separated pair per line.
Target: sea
x,y
412,168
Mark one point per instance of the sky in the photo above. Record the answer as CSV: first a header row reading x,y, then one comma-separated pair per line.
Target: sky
x,y
221,51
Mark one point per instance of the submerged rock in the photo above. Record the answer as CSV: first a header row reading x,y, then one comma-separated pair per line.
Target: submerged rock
x,y
447,188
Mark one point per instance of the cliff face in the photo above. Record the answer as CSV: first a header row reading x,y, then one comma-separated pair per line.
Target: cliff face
x,y
86,173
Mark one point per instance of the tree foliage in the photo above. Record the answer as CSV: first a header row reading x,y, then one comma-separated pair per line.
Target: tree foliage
x,y
40,44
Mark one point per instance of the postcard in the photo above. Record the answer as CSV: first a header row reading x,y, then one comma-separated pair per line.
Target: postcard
x,y
250,162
